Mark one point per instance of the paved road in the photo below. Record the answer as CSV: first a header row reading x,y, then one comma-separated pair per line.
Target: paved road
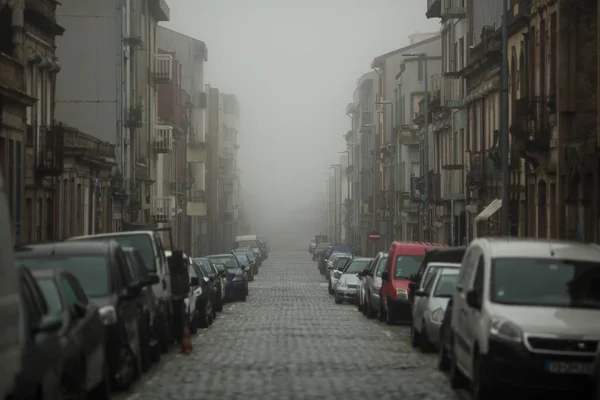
x,y
290,341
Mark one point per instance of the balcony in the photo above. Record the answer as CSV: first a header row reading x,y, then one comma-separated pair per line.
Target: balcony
x,y
408,135
49,157
451,91
474,178
453,9
162,139
417,189
196,205
79,144
434,9
162,209
134,117
453,182
530,128
163,68
435,90
196,151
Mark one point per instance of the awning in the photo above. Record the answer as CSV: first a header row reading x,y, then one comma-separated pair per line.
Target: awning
x,y
487,212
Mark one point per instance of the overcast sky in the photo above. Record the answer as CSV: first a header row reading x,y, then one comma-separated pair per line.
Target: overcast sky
x,y
293,65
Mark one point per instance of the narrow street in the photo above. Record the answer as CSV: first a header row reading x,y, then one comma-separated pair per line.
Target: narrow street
x,y
290,341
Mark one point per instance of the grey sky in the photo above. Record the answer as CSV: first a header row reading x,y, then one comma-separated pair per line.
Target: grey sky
x,y
293,65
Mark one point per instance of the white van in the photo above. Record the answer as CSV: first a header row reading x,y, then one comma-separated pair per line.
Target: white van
x,y
249,241
10,348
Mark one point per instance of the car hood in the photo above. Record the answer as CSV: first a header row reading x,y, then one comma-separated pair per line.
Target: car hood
x,y
349,279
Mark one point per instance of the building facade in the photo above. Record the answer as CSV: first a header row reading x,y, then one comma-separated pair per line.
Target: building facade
x,y
191,54
386,154
229,172
108,90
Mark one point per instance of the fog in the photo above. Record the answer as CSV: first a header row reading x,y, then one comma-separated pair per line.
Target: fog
x,y
293,65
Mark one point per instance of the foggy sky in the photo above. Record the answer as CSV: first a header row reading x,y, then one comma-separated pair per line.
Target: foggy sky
x,y
293,65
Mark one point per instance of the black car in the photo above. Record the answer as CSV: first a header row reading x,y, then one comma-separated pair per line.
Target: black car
x,y
148,324
202,312
236,287
102,270
43,373
212,272
82,334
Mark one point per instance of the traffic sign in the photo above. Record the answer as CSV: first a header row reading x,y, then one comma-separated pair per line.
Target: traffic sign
x,y
374,236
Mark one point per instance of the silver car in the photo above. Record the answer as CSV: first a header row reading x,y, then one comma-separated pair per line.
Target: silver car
x,y
345,288
336,271
370,286
430,306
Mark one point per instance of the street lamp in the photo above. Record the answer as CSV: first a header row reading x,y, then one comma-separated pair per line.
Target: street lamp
x,y
423,57
391,195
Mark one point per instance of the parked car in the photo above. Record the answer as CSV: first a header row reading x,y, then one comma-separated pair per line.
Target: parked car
x,y
250,254
207,283
336,271
10,348
218,284
244,261
170,290
437,254
403,262
148,325
320,249
526,311
430,307
43,373
102,270
371,285
346,287
222,278
237,281
82,334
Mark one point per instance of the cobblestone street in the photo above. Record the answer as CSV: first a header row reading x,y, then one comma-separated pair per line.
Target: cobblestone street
x,y
290,341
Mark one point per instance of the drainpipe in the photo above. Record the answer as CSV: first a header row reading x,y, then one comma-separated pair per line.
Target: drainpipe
x,y
119,59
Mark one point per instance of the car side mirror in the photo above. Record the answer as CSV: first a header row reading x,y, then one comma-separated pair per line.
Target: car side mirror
x,y
473,299
47,324
194,281
385,276
421,293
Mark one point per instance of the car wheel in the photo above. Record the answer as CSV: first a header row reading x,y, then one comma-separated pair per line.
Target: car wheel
x,y
219,303
414,337
203,322
126,369
425,343
145,348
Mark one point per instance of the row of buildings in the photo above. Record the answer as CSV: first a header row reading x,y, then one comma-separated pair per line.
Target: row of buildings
x,y
423,159
106,124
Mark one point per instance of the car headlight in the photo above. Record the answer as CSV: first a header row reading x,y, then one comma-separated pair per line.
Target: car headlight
x,y
438,316
108,315
401,293
506,330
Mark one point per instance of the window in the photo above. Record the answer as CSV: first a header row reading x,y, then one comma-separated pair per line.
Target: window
x,y
51,295
69,292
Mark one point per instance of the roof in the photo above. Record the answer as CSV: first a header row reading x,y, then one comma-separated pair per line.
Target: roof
x,y
507,247
379,60
65,248
200,42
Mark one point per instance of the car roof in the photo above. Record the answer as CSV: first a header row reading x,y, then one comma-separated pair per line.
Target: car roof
x,y
82,247
508,247
443,264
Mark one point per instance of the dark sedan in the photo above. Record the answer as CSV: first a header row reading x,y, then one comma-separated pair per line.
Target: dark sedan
x,y
82,334
237,281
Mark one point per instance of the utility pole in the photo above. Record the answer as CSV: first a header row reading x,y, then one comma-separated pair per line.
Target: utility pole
x,y
504,210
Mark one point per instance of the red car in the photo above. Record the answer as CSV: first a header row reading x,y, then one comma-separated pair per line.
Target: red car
x,y
404,259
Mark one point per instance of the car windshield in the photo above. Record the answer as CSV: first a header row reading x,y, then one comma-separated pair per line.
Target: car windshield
x,y
407,266
340,262
445,286
247,243
90,270
50,292
545,282
381,266
430,273
242,258
142,243
227,261
356,266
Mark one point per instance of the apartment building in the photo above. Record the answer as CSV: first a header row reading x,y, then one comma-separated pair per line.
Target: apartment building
x,y
448,113
191,55
360,142
108,89
31,143
387,67
229,172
